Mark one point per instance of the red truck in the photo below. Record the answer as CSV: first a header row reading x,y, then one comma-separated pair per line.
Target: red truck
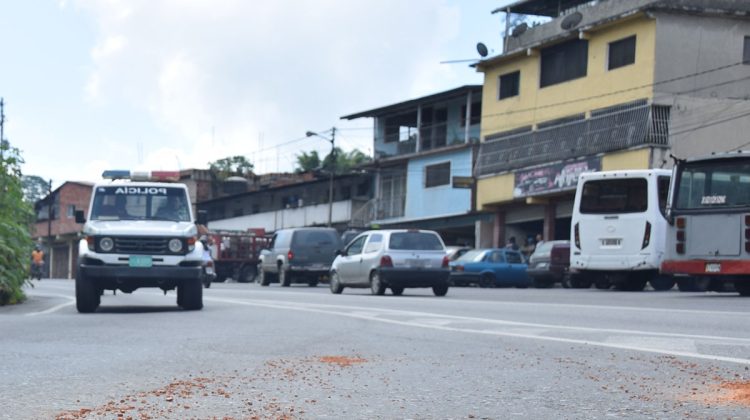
x,y
235,253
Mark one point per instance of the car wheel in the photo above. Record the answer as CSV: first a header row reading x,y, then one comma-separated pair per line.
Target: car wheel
x,y
190,295
579,282
247,274
487,280
440,290
284,278
397,291
335,284
376,285
661,283
88,297
542,284
264,280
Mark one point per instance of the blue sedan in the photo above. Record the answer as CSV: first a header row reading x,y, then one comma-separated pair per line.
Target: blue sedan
x,y
490,268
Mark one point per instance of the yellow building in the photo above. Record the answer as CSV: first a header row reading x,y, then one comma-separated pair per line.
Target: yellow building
x,y
594,88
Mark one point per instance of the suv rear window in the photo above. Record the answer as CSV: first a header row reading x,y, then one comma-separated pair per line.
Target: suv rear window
x,y
419,241
315,238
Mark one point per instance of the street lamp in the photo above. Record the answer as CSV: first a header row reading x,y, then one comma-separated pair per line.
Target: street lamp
x,y
333,166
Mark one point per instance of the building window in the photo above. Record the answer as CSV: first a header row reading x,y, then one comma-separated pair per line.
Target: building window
x,y
437,175
509,85
621,53
476,114
563,62
746,51
71,212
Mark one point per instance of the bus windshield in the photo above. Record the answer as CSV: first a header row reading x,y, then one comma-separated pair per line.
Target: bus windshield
x,y
140,203
614,196
713,184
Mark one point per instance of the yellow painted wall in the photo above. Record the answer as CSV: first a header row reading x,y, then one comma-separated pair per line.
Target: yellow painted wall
x,y
496,189
632,159
534,105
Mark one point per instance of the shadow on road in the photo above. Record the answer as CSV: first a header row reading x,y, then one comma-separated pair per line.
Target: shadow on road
x,y
137,309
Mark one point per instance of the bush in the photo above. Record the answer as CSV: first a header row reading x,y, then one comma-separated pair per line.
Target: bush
x,y
15,219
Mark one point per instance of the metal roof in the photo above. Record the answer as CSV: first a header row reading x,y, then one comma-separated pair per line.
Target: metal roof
x,y
411,105
549,8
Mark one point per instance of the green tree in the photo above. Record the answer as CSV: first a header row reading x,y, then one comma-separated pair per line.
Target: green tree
x,y
15,219
34,188
232,166
307,162
342,163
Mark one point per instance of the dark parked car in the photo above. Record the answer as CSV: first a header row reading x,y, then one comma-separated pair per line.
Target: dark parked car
x,y
549,263
301,255
490,268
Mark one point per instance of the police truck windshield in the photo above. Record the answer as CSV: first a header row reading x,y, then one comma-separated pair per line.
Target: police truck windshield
x,y
713,184
140,203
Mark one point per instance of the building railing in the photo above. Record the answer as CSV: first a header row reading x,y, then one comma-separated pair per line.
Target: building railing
x,y
433,136
615,128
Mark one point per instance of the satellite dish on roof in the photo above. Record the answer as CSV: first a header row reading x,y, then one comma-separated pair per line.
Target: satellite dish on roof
x,y
519,30
482,49
571,21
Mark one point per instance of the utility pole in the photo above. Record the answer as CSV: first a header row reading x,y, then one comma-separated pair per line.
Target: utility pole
x,y
49,228
333,168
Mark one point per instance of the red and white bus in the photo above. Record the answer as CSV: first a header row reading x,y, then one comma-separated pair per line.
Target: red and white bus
x,y
709,222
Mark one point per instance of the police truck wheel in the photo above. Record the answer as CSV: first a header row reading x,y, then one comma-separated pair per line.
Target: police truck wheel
x,y
87,296
190,295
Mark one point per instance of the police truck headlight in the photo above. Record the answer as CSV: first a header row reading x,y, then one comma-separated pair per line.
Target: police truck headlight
x,y
106,244
175,245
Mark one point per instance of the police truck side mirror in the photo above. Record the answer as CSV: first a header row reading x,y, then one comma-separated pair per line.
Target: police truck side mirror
x,y
80,218
202,217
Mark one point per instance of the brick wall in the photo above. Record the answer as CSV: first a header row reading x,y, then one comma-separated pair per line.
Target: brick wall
x,y
70,193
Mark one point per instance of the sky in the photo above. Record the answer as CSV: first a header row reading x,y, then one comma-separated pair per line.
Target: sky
x,y
90,85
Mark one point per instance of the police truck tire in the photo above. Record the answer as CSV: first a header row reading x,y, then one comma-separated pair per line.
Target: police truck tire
x,y
88,297
190,295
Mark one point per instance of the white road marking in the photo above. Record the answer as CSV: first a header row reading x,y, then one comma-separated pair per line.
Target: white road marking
x,y
412,323
71,301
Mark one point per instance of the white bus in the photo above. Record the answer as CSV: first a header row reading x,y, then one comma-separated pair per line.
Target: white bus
x,y
618,230
709,233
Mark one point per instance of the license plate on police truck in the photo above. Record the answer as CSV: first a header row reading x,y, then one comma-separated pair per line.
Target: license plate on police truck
x,y
140,261
713,267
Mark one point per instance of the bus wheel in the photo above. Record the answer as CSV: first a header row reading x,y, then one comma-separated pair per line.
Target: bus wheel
x,y
694,284
743,288
661,283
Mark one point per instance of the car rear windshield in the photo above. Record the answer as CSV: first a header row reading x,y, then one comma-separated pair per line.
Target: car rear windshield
x,y
613,196
712,184
471,255
417,241
321,238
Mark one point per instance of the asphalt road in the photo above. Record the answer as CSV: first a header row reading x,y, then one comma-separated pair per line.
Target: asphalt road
x,y
300,352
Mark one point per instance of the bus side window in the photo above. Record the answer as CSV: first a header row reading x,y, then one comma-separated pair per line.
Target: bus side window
x,y
662,189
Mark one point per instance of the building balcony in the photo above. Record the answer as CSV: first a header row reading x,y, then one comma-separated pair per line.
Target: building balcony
x,y
616,128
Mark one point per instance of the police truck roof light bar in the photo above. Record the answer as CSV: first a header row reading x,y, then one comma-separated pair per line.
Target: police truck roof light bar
x,y
116,174
155,176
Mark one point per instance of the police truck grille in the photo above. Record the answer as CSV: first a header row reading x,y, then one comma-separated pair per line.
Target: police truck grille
x,y
151,246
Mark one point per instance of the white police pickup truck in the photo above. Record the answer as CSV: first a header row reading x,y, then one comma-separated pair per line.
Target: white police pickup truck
x,y
140,232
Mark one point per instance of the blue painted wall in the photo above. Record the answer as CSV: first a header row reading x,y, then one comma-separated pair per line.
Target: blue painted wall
x,y
424,202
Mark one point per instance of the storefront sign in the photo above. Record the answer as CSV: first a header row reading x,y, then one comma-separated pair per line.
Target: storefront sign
x,y
463,182
551,178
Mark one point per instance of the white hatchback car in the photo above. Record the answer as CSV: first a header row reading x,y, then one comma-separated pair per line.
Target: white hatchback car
x,y
394,259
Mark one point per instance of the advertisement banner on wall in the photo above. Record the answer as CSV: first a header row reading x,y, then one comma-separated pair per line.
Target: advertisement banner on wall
x,y
561,176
